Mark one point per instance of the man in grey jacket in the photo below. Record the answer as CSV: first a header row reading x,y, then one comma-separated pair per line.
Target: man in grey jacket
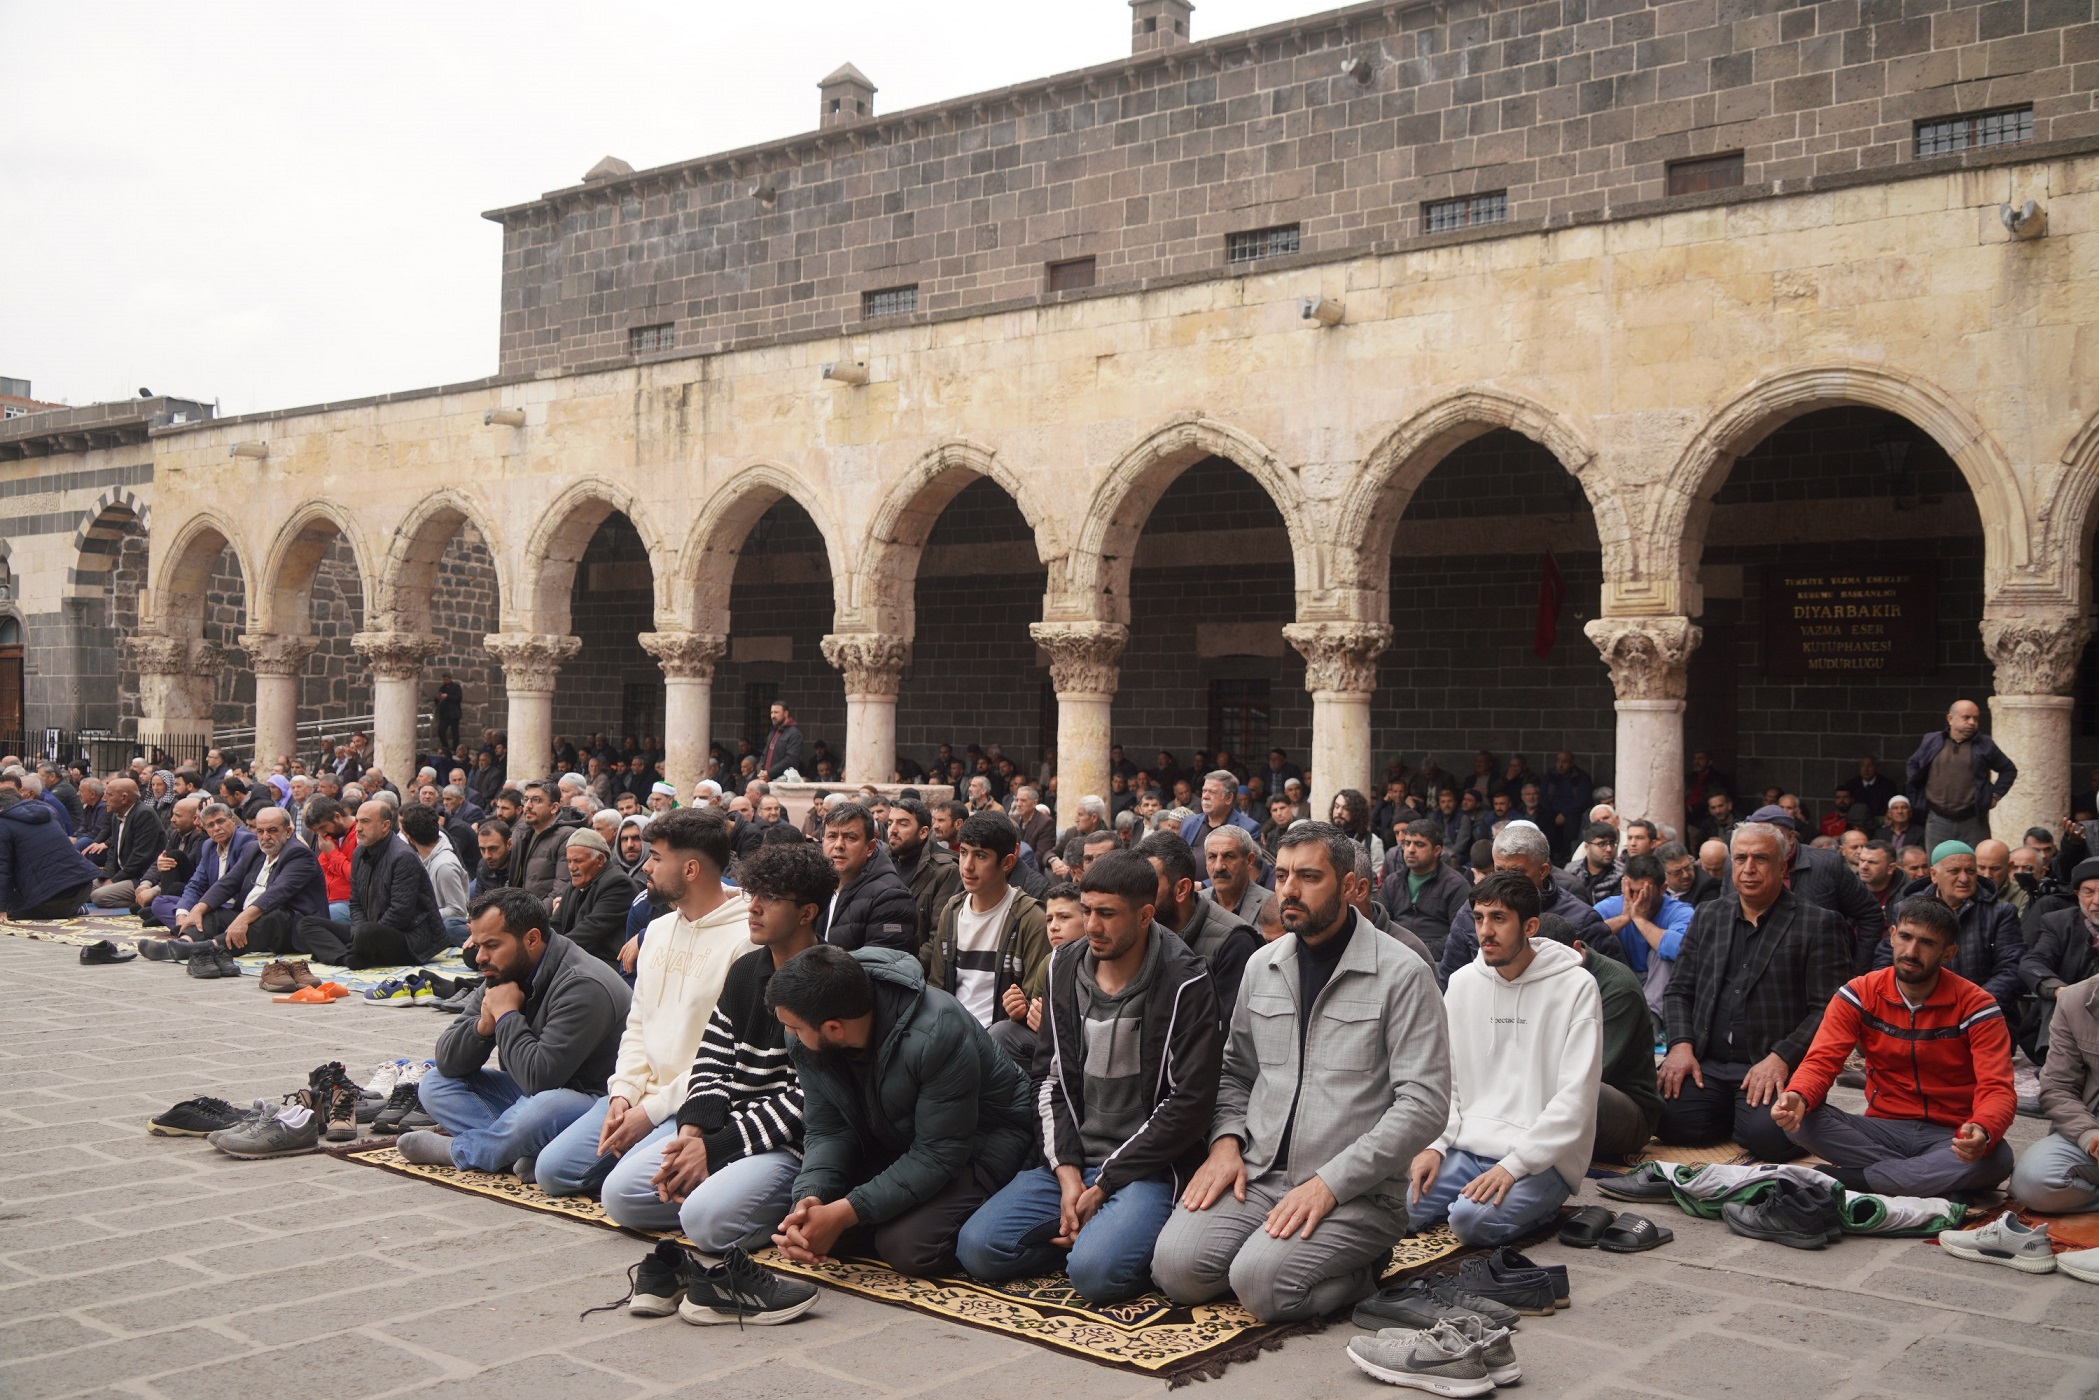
x,y
1336,1073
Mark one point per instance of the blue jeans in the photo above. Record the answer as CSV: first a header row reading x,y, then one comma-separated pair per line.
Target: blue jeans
x,y
455,932
339,910
741,1204
492,1121
1111,1261
1531,1202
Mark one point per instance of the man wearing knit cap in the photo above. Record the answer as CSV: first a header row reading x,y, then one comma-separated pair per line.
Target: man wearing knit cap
x,y
593,915
1990,947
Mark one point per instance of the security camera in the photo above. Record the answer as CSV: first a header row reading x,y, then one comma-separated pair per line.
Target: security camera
x,y
1325,310
846,372
2026,221
508,417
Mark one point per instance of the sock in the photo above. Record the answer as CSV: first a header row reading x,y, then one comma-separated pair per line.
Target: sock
x,y
1850,1178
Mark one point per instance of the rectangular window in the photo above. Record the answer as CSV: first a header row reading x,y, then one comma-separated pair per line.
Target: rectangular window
x,y
1259,243
1939,136
1239,717
647,340
1071,274
890,301
1468,212
1721,172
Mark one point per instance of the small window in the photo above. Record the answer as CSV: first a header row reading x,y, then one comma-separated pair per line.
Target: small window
x,y
646,340
890,301
1721,172
1259,243
1239,711
1447,214
1151,24
1071,274
1939,136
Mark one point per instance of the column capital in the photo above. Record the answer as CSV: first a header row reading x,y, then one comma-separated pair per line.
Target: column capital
x,y
873,662
1648,656
1340,657
2035,655
530,660
277,653
685,655
1085,657
396,656
174,656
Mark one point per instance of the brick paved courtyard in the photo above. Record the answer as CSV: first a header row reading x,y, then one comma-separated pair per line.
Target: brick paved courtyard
x,y
142,1266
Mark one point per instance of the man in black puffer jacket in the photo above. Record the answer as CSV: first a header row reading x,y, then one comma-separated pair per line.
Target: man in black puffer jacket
x,y
41,875
873,907
394,917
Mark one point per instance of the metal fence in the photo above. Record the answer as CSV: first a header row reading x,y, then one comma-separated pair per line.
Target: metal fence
x,y
102,751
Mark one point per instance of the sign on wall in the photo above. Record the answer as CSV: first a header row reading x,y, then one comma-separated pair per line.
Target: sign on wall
x,y
1838,624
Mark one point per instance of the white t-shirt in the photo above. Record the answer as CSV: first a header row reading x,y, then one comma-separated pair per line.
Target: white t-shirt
x,y
976,956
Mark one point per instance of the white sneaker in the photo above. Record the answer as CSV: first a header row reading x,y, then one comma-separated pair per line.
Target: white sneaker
x,y
2003,1241
381,1081
2080,1264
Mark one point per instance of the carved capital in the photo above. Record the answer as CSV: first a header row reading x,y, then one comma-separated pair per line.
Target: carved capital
x,y
530,660
174,656
873,662
396,656
1084,656
685,655
2035,655
1647,655
277,654
1339,656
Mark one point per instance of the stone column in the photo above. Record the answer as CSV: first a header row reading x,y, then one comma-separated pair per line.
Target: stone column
x,y
687,659
396,661
1648,657
530,662
280,662
2036,659
1085,669
1341,672
873,663
178,685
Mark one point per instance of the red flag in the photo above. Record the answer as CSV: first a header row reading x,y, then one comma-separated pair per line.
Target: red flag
x,y
1552,592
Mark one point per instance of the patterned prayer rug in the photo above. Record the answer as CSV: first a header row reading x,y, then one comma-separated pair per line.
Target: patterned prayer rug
x,y
1723,1154
1149,1335
125,930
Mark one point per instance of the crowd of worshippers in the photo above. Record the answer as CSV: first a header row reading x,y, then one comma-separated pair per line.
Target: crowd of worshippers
x,y
1202,1053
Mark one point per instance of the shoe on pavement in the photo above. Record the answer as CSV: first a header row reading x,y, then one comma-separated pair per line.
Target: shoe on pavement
x,y
1799,1215
292,1129
1528,1291
257,1111
655,1286
1497,1352
277,977
426,1149
2003,1241
1441,1361
2080,1264
1647,1182
740,1290
394,991
1506,1259
103,953
198,1117
302,973
228,965
398,1103
203,961
1420,1303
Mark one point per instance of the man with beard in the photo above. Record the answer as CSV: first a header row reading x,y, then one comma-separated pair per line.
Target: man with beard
x,y
1213,934
873,906
927,867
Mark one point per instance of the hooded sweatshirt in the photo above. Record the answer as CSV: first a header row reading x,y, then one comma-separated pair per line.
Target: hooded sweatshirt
x,y
677,981
1525,1060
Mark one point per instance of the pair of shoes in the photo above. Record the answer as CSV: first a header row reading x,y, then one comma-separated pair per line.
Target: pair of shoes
x,y
672,1278
1421,1303
462,991
168,949
402,1106
292,1128
285,976
102,953
197,1117
412,990
1507,1277
1465,1357
216,963
318,995
2007,1241
1594,1226
1797,1214
337,1097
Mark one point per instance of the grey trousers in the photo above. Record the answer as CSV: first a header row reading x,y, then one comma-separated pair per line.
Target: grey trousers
x,y
1973,829
1900,1156
113,894
2056,1177
1201,1253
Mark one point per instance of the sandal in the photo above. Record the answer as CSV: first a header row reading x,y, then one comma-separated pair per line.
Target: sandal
x,y
1586,1227
1633,1234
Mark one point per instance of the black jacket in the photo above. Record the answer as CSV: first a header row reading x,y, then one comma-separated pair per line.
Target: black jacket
x,y
1990,950
1822,878
934,879
139,844
782,751
1985,760
1180,1053
1802,955
297,885
37,859
875,911
389,886
566,1037
183,847
1225,942
1428,916
594,918
2060,953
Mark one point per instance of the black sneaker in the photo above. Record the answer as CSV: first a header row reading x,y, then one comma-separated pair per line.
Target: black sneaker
x,y
739,1290
1528,1291
195,1117
203,961
1799,1215
1647,1182
1421,1303
1507,1258
387,1121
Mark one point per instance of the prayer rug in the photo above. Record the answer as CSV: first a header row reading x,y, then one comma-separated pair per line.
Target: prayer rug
x,y
1725,1154
125,930
1149,1335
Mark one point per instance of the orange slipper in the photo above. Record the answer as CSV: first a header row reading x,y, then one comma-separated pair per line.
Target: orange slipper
x,y
307,996
331,991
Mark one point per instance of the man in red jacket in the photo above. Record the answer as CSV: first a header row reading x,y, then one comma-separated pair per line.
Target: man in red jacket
x,y
1938,1073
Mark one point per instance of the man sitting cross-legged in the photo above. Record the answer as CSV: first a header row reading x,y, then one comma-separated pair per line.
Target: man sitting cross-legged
x,y
552,1012
1129,1057
1336,1073
1938,1072
1526,1055
683,962
2060,1173
912,1116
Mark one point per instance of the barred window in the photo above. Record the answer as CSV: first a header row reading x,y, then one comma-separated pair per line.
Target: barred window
x,y
644,340
1467,212
1720,172
1939,136
889,301
1255,244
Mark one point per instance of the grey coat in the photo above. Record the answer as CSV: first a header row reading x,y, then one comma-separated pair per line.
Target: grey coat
x,y
2070,1075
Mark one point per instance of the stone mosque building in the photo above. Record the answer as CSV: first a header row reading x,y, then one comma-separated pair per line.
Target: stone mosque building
x,y
1630,376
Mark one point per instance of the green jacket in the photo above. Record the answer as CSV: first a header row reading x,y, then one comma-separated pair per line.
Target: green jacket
x,y
1023,949
1628,1033
941,1096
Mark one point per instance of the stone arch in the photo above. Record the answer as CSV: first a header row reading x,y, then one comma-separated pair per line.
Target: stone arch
x,y
718,533
1681,511
403,590
286,585
547,571
1098,569
104,526
182,575
2065,518
887,577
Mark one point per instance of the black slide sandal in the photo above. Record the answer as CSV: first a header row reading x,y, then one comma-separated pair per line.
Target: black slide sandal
x,y
1586,1227
1633,1234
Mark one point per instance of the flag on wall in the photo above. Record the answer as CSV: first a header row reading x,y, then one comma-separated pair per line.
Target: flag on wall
x,y
1552,592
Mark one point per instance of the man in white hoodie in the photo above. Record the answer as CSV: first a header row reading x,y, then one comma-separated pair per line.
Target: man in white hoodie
x,y
615,1149
1526,1054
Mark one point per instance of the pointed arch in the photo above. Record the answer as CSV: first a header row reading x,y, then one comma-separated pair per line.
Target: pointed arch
x,y
104,526
718,533
547,570
2065,518
409,575
181,576
285,589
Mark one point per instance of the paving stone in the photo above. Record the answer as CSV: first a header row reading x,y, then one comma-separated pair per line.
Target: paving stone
x,y
533,1378
110,1361
230,1297
905,1356
668,1351
1805,1327
1709,1364
359,1367
780,1380
41,1296
43,1335
1953,1367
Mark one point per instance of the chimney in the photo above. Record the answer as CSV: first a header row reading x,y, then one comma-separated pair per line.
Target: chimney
x,y
1158,24
847,97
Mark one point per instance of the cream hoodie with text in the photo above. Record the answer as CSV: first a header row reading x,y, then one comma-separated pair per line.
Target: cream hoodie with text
x,y
678,978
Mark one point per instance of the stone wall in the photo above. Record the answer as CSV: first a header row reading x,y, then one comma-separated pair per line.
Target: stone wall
x,y
610,603
464,609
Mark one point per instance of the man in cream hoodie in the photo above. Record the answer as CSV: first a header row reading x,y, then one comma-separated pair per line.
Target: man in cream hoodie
x,y
1526,1054
615,1148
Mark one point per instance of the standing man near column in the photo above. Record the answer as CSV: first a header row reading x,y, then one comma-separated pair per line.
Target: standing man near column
x,y
783,746
451,700
1956,776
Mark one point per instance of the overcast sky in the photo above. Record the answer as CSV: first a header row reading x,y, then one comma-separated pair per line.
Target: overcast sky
x,y
276,205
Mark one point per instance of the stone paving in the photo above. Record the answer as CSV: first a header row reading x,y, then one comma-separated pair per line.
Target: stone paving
x,y
140,1266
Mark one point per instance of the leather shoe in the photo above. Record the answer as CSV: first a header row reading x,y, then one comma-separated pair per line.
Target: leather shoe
x,y
103,952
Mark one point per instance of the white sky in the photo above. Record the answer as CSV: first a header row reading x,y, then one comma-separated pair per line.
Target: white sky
x,y
275,204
